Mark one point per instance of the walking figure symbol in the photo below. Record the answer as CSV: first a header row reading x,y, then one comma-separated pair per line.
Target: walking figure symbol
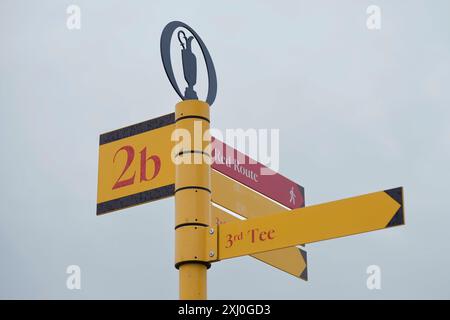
x,y
292,199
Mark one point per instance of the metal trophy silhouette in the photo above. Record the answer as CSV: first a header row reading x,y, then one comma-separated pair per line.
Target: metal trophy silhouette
x,y
189,61
189,65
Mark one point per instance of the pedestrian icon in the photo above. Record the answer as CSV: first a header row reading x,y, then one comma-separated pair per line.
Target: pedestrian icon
x,y
292,199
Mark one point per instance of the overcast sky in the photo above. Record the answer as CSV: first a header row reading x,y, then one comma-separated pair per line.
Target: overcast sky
x,y
358,110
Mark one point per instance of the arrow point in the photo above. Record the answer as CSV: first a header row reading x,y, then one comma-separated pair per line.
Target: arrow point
x,y
302,192
398,218
396,194
304,274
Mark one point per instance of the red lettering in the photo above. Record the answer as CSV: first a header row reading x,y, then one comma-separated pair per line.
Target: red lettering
x,y
256,235
263,236
143,168
253,233
130,156
229,241
144,161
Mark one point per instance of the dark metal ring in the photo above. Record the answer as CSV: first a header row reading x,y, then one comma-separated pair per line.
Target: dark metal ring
x,y
166,38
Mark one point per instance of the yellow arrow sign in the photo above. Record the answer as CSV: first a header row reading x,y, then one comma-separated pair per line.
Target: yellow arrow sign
x,y
292,260
335,219
240,199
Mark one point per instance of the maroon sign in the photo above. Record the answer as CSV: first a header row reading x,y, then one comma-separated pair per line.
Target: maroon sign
x,y
242,168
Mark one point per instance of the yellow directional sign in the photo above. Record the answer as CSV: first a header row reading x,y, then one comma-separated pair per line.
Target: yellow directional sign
x,y
335,219
135,165
240,199
292,260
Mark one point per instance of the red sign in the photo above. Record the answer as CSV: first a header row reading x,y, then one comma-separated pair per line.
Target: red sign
x,y
247,171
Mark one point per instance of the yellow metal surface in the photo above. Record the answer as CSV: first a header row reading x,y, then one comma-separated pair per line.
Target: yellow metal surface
x,y
195,108
191,244
192,205
315,223
192,279
192,134
188,175
287,259
126,166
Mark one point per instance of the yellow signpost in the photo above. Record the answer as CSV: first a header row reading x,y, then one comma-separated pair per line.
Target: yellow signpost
x,y
130,175
146,162
335,219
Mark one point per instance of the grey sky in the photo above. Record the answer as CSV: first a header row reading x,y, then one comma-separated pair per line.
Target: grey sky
x,y
358,111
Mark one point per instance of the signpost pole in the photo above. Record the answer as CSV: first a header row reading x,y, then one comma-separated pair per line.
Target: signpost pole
x,y
192,197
